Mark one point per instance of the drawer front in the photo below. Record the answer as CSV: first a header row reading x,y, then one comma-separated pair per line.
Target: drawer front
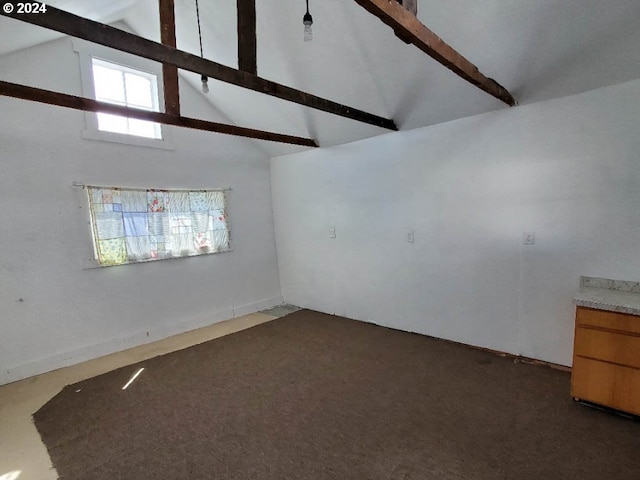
x,y
608,346
612,320
606,384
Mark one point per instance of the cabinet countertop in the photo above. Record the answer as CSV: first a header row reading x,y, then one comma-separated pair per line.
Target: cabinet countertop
x,y
610,295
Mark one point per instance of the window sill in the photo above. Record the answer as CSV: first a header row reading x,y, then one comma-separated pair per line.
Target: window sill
x,y
92,264
123,139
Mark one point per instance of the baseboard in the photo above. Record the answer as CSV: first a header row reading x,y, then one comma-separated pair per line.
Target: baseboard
x,y
257,306
66,359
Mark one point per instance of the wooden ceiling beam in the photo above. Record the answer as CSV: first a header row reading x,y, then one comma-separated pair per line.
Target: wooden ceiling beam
x,y
247,58
407,26
169,72
96,32
89,105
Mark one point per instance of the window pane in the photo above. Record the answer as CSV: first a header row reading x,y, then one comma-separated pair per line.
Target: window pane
x,y
108,84
139,91
112,123
143,128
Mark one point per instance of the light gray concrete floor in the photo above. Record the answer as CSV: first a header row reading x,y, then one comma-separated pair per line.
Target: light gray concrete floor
x,y
23,456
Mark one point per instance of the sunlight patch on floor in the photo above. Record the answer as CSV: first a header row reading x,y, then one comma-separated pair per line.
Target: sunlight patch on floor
x,y
131,380
11,475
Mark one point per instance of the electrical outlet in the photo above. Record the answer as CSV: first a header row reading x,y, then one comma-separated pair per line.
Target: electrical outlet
x,y
332,233
411,236
528,238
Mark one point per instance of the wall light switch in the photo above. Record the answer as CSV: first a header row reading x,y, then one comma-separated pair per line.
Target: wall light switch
x,y
332,233
528,238
411,236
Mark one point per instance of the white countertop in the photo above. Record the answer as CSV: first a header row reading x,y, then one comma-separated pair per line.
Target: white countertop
x,y
610,295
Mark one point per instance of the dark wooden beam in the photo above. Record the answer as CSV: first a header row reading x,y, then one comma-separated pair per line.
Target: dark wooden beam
x,y
75,26
412,6
247,61
409,29
89,105
169,72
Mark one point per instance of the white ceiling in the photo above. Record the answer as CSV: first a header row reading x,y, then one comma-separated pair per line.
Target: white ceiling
x,y
536,49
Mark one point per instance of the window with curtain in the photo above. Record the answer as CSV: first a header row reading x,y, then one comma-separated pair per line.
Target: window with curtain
x,y
140,225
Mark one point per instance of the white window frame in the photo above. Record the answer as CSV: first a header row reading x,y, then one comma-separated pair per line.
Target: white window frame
x,y
86,53
124,70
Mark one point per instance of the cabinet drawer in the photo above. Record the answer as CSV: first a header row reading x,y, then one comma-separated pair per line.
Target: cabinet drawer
x,y
608,346
606,384
612,320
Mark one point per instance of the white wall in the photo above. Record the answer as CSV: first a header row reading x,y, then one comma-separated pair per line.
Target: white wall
x,y
566,169
55,311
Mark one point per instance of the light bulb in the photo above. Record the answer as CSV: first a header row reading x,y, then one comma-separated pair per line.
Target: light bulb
x,y
307,20
308,33
205,84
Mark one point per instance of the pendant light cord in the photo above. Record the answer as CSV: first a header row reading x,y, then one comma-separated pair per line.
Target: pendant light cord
x,y
200,31
307,7
203,78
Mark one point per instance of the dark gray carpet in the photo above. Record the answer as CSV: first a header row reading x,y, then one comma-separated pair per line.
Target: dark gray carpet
x,y
313,396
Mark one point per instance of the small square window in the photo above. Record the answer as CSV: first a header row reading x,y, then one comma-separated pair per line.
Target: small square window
x,y
128,87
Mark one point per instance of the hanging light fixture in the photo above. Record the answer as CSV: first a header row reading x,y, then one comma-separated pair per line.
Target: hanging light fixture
x,y
307,21
205,83
203,78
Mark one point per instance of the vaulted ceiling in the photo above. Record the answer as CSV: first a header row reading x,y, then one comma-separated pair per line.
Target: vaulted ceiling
x,y
537,50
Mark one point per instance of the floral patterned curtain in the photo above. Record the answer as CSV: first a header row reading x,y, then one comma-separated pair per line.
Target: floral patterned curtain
x,y
133,225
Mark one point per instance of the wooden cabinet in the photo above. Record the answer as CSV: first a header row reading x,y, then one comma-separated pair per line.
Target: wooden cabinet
x,y
606,359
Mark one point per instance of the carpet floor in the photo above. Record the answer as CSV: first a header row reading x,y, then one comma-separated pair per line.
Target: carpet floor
x,y
314,396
